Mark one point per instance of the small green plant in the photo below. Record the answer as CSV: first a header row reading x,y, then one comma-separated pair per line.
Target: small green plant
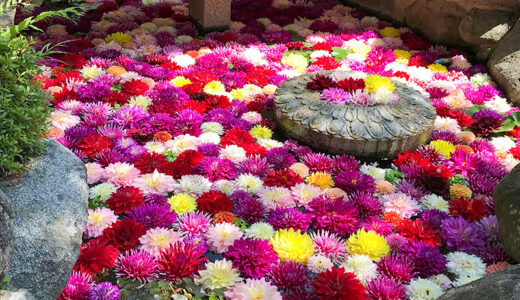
x,y
24,106
5,281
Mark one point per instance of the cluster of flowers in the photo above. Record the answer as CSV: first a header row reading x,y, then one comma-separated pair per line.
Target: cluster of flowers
x,y
356,88
187,182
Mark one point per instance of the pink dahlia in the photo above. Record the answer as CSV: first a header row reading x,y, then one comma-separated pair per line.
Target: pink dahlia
x,y
329,245
336,216
253,258
136,265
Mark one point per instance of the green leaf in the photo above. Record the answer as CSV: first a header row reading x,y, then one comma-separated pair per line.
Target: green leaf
x,y
472,110
339,53
5,281
116,87
509,124
295,37
170,155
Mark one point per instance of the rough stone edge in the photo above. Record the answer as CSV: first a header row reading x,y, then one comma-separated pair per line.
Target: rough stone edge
x,y
14,291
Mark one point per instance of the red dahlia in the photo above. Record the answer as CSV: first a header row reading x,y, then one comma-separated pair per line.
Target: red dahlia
x,y
284,178
213,202
96,256
93,144
192,157
336,284
124,235
194,105
326,63
180,261
134,87
418,230
236,136
125,199
149,162
215,101
469,209
351,84
320,83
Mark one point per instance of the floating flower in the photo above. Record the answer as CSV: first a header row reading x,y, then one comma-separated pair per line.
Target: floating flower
x,y
368,243
217,275
292,245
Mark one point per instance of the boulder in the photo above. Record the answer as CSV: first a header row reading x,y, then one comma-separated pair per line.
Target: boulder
x,y
49,205
507,209
503,285
6,234
503,64
480,27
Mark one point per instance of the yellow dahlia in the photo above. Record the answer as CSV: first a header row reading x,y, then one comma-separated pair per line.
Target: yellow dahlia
x,y
182,203
368,243
402,56
119,37
389,31
443,147
214,87
320,179
292,245
180,81
437,68
259,131
297,61
375,82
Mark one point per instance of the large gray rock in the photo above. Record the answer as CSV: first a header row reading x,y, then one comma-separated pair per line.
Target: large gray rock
x,y
507,209
501,285
6,234
50,211
475,24
504,61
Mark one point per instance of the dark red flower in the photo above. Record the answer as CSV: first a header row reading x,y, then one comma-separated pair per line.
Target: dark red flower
x,y
179,168
93,144
124,199
149,162
351,84
213,202
134,87
469,209
236,136
192,157
284,178
180,261
124,235
320,83
74,60
116,97
216,101
418,230
336,284
96,256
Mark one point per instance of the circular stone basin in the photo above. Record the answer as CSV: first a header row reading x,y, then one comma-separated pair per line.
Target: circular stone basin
x,y
371,132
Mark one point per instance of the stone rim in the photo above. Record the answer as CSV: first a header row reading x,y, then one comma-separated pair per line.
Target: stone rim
x,y
382,131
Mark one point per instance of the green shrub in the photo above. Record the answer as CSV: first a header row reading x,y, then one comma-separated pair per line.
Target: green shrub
x,y
24,106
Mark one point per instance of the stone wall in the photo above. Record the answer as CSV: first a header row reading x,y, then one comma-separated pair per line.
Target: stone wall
x,y
476,24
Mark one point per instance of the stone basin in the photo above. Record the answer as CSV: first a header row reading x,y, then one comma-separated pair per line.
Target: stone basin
x,y
369,133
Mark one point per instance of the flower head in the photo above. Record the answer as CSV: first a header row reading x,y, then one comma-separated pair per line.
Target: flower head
x,y
292,245
368,243
218,274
